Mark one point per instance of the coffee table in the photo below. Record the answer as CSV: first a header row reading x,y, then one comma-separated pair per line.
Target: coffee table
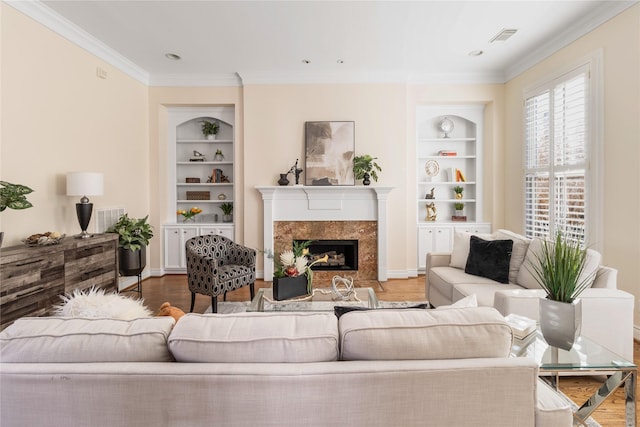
x,y
322,300
585,358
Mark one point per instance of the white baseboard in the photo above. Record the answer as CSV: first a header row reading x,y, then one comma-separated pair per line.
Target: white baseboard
x,y
125,281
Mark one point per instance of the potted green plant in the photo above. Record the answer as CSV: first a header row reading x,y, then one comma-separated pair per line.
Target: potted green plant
x,y
558,268
459,207
133,239
458,191
13,196
227,211
365,167
210,129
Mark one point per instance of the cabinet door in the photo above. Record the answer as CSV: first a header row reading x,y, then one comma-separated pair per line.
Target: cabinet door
x,y
220,231
432,239
174,240
475,228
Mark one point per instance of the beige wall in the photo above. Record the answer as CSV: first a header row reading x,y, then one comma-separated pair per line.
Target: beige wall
x,y
58,117
619,40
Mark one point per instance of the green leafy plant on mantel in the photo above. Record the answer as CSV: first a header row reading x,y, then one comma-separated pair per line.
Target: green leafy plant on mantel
x,y
133,233
366,164
210,128
13,196
558,268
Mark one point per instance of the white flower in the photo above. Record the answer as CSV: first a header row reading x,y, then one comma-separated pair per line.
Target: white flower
x,y
287,258
301,264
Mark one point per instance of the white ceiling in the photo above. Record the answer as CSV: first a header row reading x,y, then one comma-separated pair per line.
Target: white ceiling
x,y
235,42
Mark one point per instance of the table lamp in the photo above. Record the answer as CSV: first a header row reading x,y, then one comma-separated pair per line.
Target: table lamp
x,y
84,184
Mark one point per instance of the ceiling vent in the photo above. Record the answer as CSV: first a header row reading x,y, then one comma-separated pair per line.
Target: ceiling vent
x,y
503,35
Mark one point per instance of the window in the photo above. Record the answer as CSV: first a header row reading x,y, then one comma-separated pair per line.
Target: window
x,y
557,140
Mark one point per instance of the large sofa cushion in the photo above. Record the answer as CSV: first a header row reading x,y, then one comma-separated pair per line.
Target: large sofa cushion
x,y
527,279
484,293
255,337
424,334
489,258
461,246
518,253
77,340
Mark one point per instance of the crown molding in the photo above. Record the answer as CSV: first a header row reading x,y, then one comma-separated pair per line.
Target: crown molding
x,y
195,80
41,13
320,77
457,78
588,23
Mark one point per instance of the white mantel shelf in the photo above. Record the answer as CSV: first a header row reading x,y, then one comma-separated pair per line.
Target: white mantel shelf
x,y
326,203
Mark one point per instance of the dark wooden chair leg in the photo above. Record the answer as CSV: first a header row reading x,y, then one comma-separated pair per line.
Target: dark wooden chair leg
x,y
214,304
193,301
224,298
252,290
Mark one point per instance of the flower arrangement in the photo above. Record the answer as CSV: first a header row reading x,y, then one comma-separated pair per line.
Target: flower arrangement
x,y
294,262
187,215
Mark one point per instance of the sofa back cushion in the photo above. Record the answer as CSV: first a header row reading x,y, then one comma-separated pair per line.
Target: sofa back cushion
x,y
424,334
518,252
78,340
461,246
255,338
527,280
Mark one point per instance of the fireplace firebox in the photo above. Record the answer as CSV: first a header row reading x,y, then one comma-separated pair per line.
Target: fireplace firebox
x,y
342,254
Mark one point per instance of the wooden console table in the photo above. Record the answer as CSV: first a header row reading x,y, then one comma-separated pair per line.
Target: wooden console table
x,y
32,279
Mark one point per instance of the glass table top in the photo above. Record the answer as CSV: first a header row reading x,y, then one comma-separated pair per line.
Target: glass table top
x,y
321,300
584,355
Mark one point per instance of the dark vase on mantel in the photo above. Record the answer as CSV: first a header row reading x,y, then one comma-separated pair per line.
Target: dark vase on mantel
x,y
366,180
283,179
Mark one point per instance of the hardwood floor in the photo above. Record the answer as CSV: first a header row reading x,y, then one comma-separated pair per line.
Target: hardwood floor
x,y
173,288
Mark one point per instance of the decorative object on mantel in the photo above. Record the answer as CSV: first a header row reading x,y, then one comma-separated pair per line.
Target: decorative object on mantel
x,y
296,171
210,129
365,167
558,269
283,179
329,149
342,287
227,211
13,196
431,212
292,271
218,157
446,126
189,215
84,184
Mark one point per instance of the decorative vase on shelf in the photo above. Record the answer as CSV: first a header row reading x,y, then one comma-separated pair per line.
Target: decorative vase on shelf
x,y
283,179
367,179
189,220
227,218
211,137
560,322
289,287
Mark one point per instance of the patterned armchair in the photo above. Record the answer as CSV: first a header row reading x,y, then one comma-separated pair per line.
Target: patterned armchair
x,y
216,265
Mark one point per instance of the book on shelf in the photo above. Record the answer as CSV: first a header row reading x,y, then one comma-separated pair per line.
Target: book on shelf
x,y
521,326
447,153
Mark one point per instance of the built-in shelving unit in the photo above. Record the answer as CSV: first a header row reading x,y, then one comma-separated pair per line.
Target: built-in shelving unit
x,y
456,155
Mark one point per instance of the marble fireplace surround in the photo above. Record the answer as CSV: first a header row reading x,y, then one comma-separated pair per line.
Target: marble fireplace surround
x,y
331,207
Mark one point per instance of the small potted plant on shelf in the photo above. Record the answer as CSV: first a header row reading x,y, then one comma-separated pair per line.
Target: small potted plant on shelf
x,y
458,190
133,239
210,129
13,196
218,157
459,207
227,211
365,167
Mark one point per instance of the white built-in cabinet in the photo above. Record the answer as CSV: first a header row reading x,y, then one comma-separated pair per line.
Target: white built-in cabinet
x,y
439,156
186,141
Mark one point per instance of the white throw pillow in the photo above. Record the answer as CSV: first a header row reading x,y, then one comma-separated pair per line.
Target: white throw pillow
x,y
461,245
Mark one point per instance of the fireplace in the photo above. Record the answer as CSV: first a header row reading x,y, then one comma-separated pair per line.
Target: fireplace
x,y
342,255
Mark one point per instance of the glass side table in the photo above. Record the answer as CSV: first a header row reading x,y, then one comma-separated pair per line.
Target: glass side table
x,y
585,358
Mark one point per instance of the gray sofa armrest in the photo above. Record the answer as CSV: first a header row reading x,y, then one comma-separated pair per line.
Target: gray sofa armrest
x,y
606,277
438,259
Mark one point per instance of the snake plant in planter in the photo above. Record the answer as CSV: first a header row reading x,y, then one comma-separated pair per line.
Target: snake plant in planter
x,y
133,239
559,270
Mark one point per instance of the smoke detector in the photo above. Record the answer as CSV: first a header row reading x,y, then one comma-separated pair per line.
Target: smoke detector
x,y
504,35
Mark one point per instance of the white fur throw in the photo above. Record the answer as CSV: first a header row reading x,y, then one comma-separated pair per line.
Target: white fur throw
x,y
97,303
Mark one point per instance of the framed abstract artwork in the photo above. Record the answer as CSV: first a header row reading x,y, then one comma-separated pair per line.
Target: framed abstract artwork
x,y
329,148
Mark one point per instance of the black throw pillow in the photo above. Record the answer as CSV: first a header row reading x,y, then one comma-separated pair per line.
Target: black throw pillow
x,y
489,258
339,310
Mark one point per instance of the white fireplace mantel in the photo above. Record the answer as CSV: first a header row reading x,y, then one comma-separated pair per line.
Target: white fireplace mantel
x,y
311,203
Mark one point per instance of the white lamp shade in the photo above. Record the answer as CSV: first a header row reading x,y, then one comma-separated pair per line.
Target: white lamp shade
x,y
85,184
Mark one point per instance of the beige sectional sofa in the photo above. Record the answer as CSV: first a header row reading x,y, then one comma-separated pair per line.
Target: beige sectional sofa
x,y
368,368
607,312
